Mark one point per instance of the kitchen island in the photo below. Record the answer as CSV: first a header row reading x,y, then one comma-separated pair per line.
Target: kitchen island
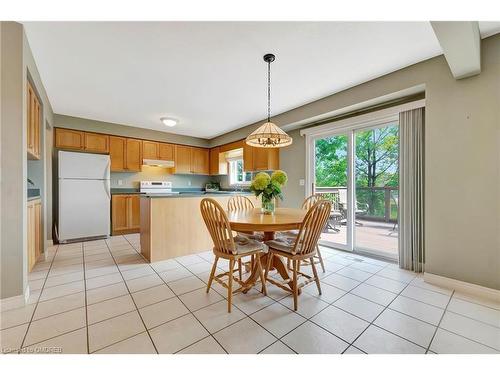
x,y
172,225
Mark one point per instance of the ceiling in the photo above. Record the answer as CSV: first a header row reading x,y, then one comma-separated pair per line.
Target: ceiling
x,y
210,75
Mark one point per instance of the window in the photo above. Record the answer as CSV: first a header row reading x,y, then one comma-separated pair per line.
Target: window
x,y
237,176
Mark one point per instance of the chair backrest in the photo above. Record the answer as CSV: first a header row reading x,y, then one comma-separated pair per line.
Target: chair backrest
x,y
311,228
310,201
239,202
218,226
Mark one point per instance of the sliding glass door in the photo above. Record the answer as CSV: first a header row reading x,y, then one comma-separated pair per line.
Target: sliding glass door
x,y
331,182
357,170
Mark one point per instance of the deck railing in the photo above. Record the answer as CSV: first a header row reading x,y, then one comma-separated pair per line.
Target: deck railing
x,y
372,203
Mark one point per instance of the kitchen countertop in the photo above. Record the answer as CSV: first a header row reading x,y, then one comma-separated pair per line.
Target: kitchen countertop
x,y
196,194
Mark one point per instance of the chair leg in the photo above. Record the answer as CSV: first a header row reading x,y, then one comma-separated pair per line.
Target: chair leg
x,y
288,264
268,265
295,289
252,262
230,285
315,274
320,258
261,274
212,273
239,269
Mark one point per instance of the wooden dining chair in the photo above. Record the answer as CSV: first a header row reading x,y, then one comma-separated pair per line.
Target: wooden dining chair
x,y
303,247
306,205
237,203
228,247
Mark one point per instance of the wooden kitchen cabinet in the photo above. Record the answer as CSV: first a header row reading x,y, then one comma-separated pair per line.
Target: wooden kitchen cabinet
x,y
182,159
125,154
218,163
34,232
150,150
96,143
69,139
260,159
125,214
33,122
166,151
200,161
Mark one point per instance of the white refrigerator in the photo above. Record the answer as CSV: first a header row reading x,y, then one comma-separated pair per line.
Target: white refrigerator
x,y
84,196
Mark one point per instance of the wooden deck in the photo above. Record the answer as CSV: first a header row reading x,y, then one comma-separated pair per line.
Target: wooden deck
x,y
379,236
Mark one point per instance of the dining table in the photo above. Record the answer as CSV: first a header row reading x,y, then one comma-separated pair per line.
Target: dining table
x,y
254,220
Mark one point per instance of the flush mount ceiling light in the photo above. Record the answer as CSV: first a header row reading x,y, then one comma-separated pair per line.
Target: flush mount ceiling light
x,y
168,121
269,134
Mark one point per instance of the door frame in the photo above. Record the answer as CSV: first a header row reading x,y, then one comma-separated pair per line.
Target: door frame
x,y
348,127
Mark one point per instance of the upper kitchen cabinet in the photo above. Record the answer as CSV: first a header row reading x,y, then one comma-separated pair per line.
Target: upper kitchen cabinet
x,y
150,150
98,143
125,154
69,139
182,159
218,163
33,122
260,159
166,151
200,163
191,160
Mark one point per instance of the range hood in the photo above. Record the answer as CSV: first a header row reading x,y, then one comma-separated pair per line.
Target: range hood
x,y
158,163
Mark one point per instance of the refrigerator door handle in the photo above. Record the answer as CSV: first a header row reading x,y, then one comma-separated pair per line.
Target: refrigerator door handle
x,y
106,187
106,171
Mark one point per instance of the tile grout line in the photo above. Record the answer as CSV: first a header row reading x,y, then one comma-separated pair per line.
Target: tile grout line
x,y
190,312
86,309
130,295
38,300
439,323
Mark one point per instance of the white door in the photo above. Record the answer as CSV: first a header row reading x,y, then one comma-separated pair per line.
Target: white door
x,y
83,209
83,166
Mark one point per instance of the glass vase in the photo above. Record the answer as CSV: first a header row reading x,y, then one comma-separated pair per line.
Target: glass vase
x,y
268,205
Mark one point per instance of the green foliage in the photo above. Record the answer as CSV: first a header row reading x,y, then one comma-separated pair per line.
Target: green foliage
x,y
269,186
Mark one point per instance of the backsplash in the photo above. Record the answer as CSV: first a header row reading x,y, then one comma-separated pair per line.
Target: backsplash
x,y
149,173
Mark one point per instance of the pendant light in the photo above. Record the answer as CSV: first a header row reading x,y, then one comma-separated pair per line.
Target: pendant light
x,y
269,134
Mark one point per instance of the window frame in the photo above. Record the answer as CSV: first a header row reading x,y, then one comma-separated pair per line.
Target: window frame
x,y
231,172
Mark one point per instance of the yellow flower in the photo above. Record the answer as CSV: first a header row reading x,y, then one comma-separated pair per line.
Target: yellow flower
x,y
279,177
261,181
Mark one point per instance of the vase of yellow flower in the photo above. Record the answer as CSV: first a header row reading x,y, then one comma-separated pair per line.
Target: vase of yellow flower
x,y
269,187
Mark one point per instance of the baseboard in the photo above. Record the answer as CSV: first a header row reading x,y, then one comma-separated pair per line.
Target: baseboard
x,y
15,302
462,286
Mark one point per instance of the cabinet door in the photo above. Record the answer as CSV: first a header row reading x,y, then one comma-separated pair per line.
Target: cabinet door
x,y
166,151
214,161
119,213
265,159
117,146
134,212
182,159
96,142
31,236
38,230
36,129
150,150
33,123
69,139
248,158
133,154
200,160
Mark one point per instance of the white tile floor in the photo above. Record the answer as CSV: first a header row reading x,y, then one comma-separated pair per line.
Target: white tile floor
x,y
102,297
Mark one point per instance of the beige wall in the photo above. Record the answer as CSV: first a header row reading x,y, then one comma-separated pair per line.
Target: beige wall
x,y
125,131
17,64
462,151
13,155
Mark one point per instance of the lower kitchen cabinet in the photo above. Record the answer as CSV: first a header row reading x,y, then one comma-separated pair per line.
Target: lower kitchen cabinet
x,y
125,214
34,232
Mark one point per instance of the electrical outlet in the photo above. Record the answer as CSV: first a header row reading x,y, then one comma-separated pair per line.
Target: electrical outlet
x,y
189,182
120,182
302,182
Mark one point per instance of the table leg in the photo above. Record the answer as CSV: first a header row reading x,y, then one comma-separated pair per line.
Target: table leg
x,y
278,264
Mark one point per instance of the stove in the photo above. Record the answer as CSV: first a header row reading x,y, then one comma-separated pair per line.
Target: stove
x,y
157,187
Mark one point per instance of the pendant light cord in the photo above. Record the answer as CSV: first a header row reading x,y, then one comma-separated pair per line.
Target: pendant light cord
x,y
269,91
